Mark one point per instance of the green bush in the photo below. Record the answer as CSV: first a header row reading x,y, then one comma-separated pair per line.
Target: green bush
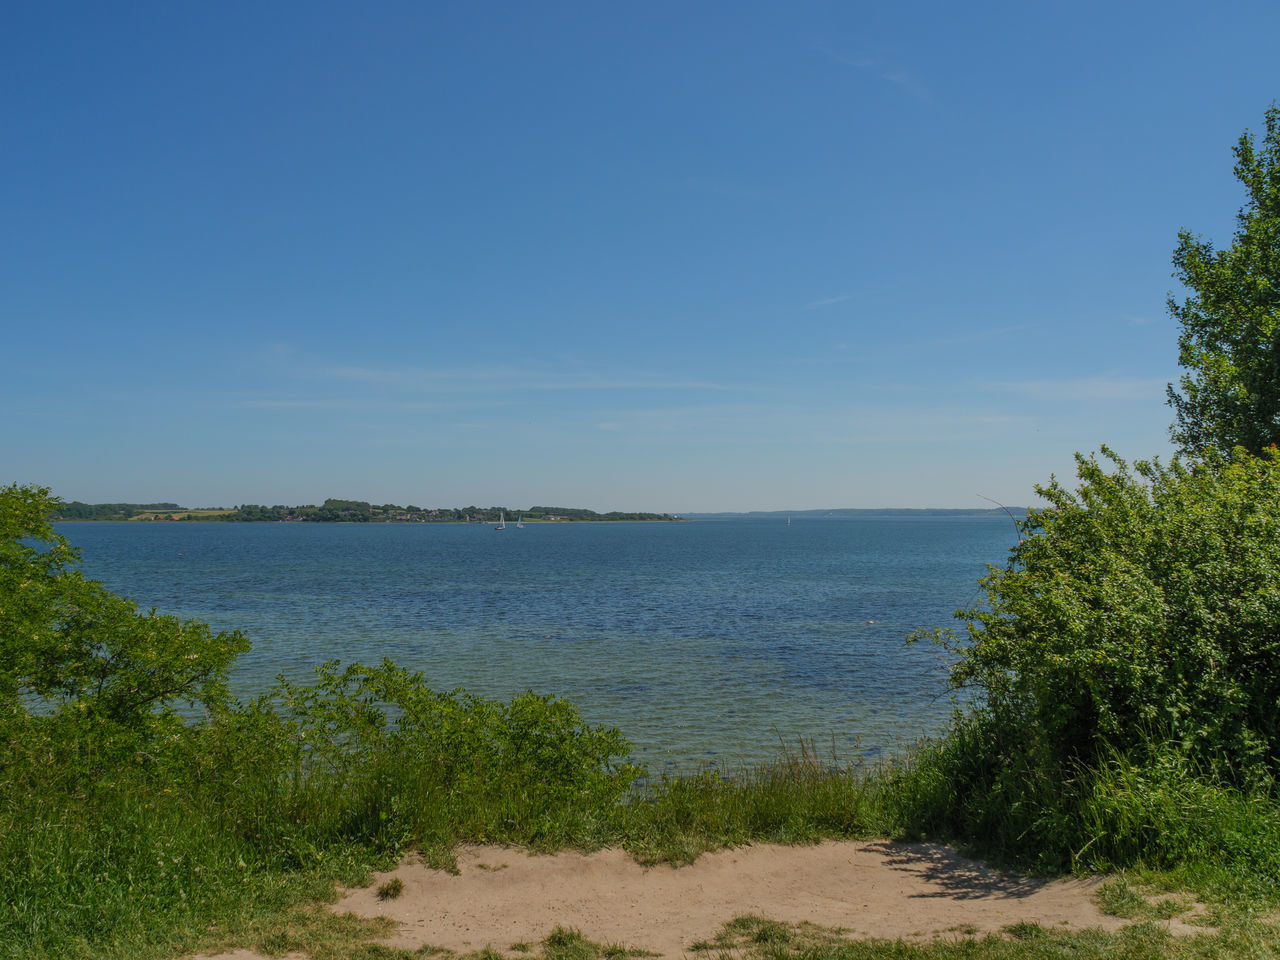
x,y
67,645
373,754
1139,613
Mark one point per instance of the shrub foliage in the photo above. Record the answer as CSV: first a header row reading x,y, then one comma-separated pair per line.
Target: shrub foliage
x,y
1139,613
69,645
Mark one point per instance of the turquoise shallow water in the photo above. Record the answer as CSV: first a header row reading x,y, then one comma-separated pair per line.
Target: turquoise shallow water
x,y
703,641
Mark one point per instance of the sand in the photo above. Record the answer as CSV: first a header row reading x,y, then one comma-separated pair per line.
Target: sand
x,y
502,897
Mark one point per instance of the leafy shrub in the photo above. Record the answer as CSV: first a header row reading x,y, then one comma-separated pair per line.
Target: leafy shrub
x,y
1140,612
373,755
68,645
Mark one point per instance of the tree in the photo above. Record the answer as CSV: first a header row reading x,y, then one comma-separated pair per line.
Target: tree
x,y
1139,613
1230,341
68,645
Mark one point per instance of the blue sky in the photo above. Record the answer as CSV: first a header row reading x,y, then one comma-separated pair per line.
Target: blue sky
x,y
658,256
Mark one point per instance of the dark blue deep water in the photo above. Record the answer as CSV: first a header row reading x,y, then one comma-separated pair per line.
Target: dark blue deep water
x,y
703,641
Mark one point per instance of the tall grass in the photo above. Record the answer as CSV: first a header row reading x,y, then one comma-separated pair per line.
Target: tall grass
x,y
108,840
112,846
798,798
133,860
992,791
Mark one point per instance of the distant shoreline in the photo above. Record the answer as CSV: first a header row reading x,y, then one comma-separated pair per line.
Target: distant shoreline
x,y
851,512
360,511
342,511
541,521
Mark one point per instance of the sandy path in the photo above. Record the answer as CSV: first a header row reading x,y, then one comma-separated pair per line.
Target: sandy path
x,y
502,896
876,889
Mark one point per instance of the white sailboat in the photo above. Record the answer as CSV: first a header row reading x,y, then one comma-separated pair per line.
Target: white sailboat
x,y
502,522
520,522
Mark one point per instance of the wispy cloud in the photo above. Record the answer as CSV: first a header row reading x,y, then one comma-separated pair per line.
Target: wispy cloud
x,y
360,374
354,404
624,383
1082,388
724,187
845,353
504,380
316,388
816,304
754,423
977,336
849,61
910,83
289,404
900,77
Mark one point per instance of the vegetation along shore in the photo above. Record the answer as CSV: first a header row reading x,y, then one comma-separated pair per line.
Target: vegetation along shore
x,y
1124,667
341,511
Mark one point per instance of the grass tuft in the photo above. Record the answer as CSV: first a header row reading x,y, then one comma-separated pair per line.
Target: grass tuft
x,y
391,890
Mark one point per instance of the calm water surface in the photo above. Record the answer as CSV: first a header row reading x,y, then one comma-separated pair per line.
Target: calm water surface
x,y
704,641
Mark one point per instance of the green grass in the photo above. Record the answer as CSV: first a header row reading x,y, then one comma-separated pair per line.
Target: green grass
x,y
391,890
232,833
758,938
795,800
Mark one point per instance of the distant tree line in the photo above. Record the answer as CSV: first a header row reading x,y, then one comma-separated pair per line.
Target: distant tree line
x,y
360,511
111,511
349,511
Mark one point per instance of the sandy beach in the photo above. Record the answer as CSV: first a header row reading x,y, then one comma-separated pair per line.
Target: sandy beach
x,y
501,897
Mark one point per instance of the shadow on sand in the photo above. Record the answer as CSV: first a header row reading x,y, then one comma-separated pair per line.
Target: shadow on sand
x,y
955,877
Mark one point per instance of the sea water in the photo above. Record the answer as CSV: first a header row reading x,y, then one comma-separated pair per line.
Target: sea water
x,y
704,642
